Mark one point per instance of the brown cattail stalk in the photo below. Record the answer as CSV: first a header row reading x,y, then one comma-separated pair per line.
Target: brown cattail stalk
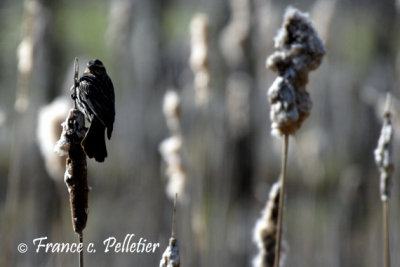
x,y
384,161
300,51
170,257
264,234
76,169
75,176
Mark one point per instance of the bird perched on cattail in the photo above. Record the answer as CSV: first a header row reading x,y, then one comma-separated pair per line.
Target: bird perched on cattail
x,y
95,98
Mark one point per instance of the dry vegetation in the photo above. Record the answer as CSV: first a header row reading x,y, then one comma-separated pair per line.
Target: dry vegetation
x,y
218,152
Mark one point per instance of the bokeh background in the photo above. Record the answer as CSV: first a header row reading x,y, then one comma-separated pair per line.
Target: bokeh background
x,y
333,209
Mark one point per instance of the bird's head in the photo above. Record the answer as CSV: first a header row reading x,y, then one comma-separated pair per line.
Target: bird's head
x,y
95,67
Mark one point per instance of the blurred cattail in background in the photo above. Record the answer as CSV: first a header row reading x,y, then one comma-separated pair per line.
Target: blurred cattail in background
x,y
237,103
48,132
25,62
172,111
118,31
234,41
199,32
171,148
235,35
34,23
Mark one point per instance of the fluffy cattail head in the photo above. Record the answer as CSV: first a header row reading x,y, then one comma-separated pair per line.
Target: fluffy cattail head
x,y
264,234
48,132
170,150
170,257
287,113
172,110
383,153
76,169
299,45
300,51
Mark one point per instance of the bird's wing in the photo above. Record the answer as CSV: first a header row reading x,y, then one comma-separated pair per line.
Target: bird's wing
x,y
98,97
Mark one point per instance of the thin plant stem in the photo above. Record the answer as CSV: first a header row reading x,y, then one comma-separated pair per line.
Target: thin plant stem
x,y
81,252
281,201
76,73
174,217
386,232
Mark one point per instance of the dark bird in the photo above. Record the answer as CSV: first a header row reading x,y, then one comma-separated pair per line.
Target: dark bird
x,y
95,98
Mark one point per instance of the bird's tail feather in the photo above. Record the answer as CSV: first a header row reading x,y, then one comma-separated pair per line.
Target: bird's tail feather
x,y
94,142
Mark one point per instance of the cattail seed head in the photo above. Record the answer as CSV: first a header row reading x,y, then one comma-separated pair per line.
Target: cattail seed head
x,y
300,51
172,110
76,168
48,132
383,153
170,257
171,152
264,233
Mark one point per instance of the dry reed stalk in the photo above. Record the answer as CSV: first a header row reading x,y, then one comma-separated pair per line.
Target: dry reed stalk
x,y
75,176
265,230
25,55
199,31
384,161
170,257
300,51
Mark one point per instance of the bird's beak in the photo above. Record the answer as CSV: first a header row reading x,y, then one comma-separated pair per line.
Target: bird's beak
x,y
87,70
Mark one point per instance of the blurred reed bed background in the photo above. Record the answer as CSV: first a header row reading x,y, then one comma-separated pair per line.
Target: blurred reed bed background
x,y
227,155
